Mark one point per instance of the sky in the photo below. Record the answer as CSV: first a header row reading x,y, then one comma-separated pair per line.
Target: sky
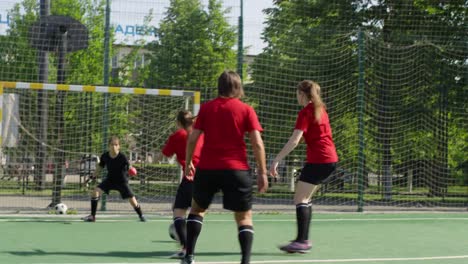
x,y
253,23
129,14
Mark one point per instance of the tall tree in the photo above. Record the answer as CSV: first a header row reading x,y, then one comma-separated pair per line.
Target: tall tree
x,y
18,63
194,44
307,40
415,62
17,57
434,32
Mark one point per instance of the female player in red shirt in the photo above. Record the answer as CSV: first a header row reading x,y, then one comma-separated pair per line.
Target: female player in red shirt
x,y
176,145
223,162
313,125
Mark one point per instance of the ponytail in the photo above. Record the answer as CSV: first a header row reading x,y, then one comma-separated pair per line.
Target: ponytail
x,y
185,118
312,90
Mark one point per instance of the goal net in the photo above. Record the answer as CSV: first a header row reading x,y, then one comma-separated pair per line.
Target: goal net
x,y
49,152
397,127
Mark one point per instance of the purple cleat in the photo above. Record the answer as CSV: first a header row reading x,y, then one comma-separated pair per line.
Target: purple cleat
x,y
297,247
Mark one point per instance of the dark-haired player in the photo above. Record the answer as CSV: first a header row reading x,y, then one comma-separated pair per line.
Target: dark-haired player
x,y
225,121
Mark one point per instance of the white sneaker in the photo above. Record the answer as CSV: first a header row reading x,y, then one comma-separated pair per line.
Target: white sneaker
x,y
178,255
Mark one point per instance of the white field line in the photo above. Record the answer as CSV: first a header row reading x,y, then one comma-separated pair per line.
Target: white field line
x,y
68,219
290,261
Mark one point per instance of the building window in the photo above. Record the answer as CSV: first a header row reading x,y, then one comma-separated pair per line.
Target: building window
x,y
115,61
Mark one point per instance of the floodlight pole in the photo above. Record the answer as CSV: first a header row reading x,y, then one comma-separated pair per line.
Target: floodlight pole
x,y
61,34
106,43
360,106
240,43
43,77
105,115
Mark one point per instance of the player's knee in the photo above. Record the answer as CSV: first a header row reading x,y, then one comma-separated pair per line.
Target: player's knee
x,y
243,218
179,212
303,195
301,200
196,209
133,201
243,215
96,193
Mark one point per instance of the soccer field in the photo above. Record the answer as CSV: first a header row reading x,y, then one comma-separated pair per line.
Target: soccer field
x,y
337,238
381,84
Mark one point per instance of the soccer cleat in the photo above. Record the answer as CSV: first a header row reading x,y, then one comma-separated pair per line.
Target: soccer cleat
x,y
142,218
297,247
89,218
178,255
188,259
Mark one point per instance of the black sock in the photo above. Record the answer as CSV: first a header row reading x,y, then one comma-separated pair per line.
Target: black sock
x,y
303,219
246,235
194,226
138,210
94,202
181,227
309,221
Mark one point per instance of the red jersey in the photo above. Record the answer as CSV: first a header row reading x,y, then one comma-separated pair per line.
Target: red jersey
x,y
177,143
317,135
224,122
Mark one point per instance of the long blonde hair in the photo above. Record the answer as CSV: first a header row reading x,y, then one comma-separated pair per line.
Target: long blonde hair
x,y
312,90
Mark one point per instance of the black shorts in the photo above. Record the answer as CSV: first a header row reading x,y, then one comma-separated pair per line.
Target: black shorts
x,y
236,186
122,187
183,199
316,173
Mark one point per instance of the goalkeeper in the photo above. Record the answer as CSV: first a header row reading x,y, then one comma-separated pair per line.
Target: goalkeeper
x,y
117,179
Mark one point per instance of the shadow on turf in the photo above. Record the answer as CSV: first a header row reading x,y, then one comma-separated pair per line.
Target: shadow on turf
x,y
164,241
121,254
42,221
214,254
128,254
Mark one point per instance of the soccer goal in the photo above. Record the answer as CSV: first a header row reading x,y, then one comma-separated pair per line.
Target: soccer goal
x,y
52,134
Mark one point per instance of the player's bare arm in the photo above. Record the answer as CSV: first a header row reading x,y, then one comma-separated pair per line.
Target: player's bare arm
x,y
191,143
290,146
259,153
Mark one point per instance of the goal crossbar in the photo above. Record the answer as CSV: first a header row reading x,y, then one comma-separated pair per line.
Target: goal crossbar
x,y
96,89
104,89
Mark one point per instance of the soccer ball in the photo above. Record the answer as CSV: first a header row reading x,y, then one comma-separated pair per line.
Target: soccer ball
x,y
173,233
61,208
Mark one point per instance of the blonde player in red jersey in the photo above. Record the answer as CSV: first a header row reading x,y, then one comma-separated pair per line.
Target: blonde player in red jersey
x,y
176,145
223,162
313,125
